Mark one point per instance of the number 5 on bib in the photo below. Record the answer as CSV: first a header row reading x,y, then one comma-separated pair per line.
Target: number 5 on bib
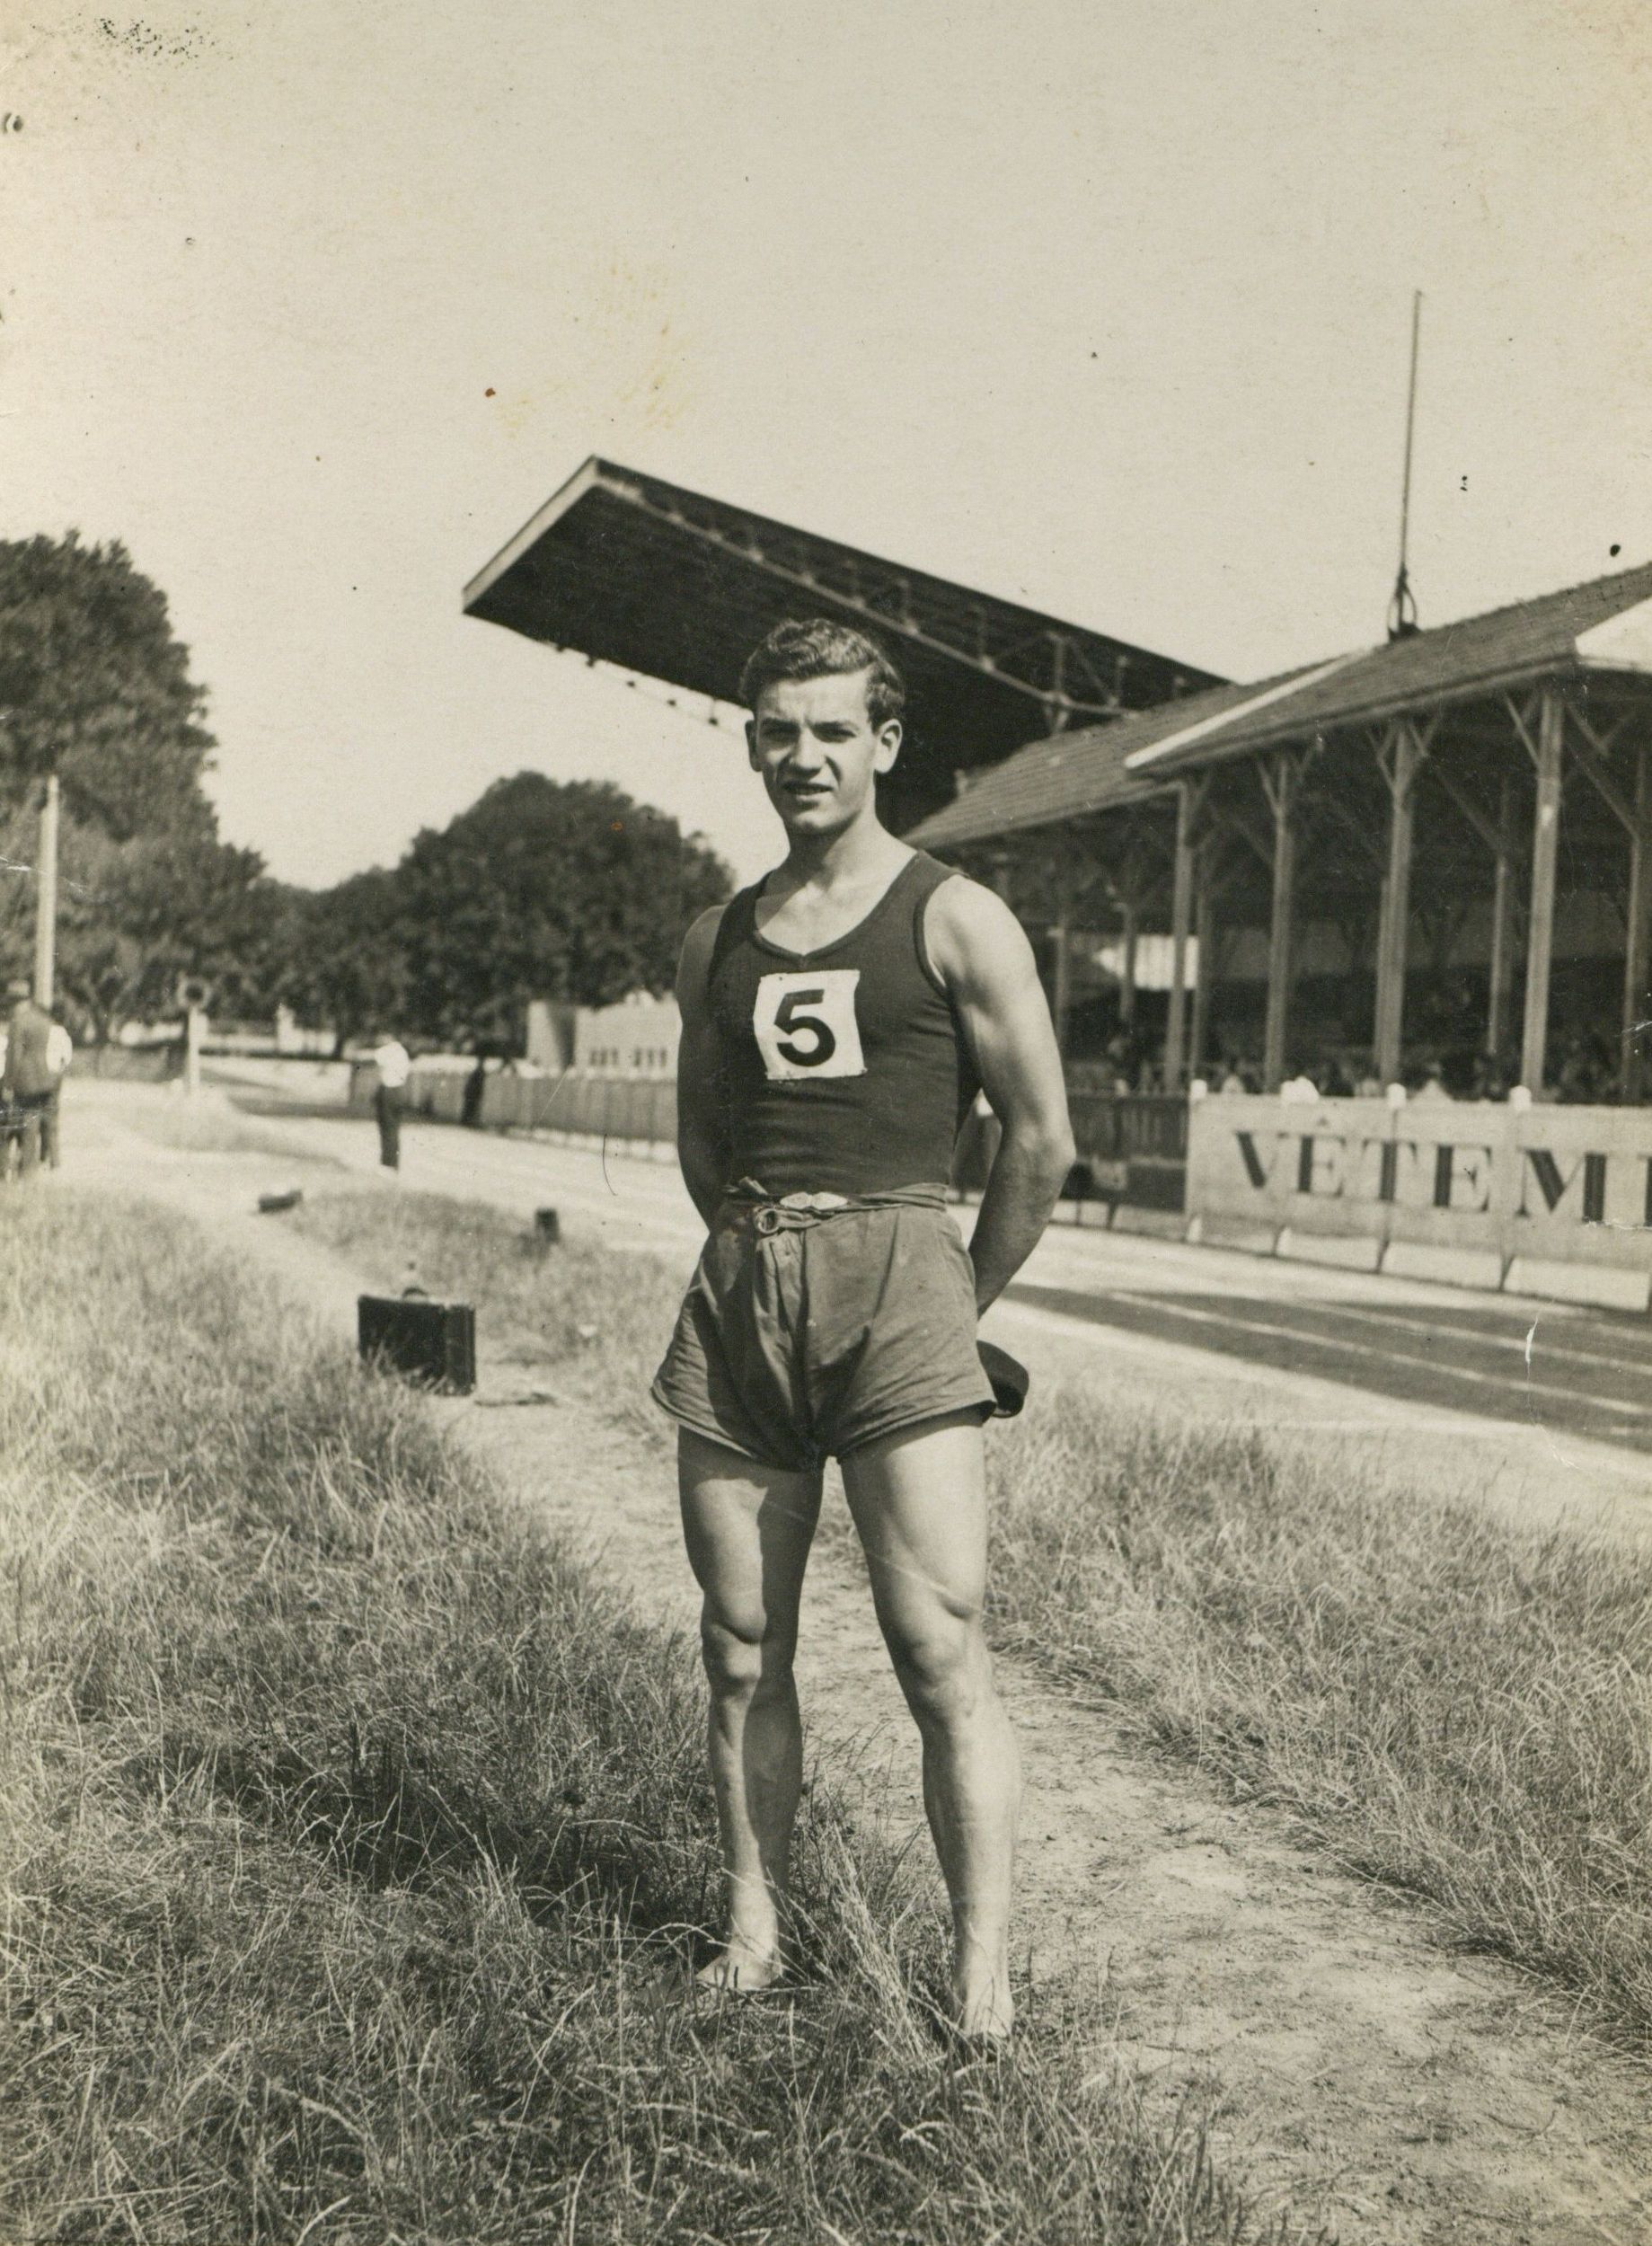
x,y
805,1024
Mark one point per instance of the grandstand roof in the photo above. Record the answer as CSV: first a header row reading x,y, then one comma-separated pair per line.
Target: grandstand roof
x,y
1602,626
631,571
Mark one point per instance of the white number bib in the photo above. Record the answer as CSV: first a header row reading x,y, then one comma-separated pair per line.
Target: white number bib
x,y
805,1024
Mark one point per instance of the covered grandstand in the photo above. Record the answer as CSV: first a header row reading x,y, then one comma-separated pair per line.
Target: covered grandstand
x,y
625,569
1375,864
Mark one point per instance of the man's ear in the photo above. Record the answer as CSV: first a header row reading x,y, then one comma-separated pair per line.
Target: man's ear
x,y
751,743
889,746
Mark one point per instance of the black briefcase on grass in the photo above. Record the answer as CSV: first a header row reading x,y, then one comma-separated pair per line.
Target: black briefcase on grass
x,y
431,1342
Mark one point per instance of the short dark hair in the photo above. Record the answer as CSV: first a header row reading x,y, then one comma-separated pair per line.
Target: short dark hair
x,y
814,647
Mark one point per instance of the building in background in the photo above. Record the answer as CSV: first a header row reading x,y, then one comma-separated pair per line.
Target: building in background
x,y
636,1038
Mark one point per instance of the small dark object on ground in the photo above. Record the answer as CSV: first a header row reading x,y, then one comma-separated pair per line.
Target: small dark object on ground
x,y
1009,1377
548,1225
434,1343
269,1203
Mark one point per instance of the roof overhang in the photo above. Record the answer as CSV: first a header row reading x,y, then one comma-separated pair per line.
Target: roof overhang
x,y
627,570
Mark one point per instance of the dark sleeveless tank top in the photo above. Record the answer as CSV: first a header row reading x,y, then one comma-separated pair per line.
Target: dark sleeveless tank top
x,y
841,1070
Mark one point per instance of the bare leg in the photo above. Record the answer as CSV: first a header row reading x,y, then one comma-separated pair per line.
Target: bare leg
x,y
919,1501
749,1529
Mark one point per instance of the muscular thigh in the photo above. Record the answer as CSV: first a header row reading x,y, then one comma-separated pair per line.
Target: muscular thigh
x,y
748,1528
919,1502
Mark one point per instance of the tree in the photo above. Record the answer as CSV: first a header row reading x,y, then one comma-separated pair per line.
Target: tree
x,y
95,687
545,890
134,917
348,964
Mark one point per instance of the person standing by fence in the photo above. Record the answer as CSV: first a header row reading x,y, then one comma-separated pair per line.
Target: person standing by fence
x,y
389,1098
32,1081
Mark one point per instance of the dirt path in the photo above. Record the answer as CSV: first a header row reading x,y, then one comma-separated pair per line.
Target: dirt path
x,y
1396,2093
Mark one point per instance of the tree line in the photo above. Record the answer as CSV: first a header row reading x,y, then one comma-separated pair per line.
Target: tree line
x,y
541,889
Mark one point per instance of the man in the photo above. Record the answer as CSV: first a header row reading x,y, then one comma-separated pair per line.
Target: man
x,y
837,1021
391,1060
31,1078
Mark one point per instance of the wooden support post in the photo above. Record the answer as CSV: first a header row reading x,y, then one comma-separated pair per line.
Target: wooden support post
x,y
1127,980
1637,1009
1061,968
1181,912
1502,928
1282,785
1389,1026
1204,956
1540,932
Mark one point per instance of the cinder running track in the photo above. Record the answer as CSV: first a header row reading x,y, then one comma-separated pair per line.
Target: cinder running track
x,y
1543,1406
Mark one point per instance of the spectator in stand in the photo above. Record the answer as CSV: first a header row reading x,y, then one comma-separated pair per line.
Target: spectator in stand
x,y
1432,1085
390,1097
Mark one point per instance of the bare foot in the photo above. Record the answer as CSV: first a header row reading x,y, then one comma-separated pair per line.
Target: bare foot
x,y
983,2009
742,1971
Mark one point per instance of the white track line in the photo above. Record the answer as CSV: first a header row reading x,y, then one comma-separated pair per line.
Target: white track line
x,y
1388,1357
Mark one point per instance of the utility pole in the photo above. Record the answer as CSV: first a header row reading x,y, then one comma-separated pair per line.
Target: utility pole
x,y
46,898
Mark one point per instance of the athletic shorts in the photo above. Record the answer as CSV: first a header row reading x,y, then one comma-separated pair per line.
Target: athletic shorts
x,y
813,1326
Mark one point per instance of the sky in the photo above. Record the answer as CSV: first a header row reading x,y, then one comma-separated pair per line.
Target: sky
x,y
1102,306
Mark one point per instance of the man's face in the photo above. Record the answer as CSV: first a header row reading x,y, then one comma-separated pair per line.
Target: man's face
x,y
817,749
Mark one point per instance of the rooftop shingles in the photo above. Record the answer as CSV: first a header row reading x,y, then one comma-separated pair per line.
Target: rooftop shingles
x,y
1077,773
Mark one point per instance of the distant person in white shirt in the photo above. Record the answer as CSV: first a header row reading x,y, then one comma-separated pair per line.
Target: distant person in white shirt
x,y
394,1067
59,1053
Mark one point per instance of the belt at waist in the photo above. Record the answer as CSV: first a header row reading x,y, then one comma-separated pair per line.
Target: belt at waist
x,y
796,1212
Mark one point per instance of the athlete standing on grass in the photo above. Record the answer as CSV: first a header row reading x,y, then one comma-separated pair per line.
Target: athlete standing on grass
x,y
837,1022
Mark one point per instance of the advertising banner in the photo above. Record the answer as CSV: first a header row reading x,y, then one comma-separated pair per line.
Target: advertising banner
x,y
1560,1184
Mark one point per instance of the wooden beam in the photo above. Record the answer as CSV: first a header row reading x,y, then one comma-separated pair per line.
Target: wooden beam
x,y
1631,1066
1235,819
1590,753
1203,950
1061,965
1181,913
1501,976
1485,828
1282,783
1357,828
1540,931
1127,980
1592,733
1527,718
1400,774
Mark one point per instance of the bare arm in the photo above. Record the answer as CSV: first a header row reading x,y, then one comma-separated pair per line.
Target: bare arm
x,y
703,1152
983,956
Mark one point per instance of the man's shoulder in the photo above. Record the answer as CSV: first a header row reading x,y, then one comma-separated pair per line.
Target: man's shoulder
x,y
965,921
695,961
703,931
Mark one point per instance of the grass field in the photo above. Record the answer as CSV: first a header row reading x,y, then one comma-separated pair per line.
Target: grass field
x,y
355,1841
1457,1707
1454,1705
